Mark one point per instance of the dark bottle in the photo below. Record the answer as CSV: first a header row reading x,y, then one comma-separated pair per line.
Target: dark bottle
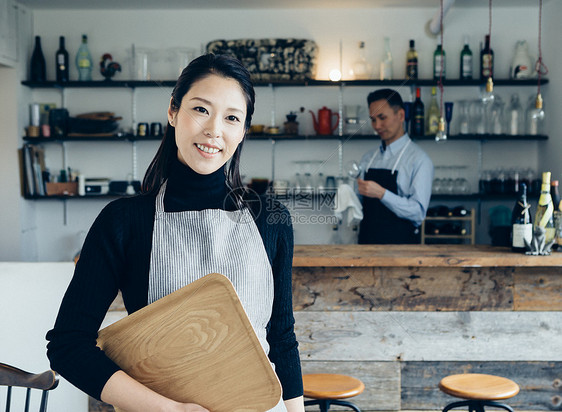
x,y
412,62
61,59
460,211
555,193
466,61
37,72
486,60
522,226
418,127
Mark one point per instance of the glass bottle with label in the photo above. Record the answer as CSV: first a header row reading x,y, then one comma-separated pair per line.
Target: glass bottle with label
x,y
412,62
433,113
84,61
386,63
545,209
61,59
417,128
466,61
439,62
522,226
486,60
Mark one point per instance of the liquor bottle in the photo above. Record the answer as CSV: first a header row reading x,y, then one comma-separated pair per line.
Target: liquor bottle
x,y
361,69
412,62
486,60
521,224
61,59
84,61
545,209
433,113
515,119
418,128
387,71
466,61
439,62
555,195
37,72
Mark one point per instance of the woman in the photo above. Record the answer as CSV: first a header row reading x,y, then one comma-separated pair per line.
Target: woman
x,y
194,218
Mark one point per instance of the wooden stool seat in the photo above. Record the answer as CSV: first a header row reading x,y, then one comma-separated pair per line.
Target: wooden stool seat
x,y
331,386
478,390
479,386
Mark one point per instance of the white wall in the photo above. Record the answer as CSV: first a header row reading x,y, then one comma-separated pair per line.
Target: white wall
x,y
115,31
30,297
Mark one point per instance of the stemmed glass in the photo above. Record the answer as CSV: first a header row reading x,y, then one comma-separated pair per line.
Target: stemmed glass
x,y
448,116
353,169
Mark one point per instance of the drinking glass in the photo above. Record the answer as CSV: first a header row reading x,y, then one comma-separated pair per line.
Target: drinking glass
x,y
353,169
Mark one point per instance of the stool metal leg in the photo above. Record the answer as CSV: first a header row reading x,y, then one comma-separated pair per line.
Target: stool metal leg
x,y
476,405
324,404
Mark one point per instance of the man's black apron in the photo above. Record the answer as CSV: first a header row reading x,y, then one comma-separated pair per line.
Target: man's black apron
x,y
380,225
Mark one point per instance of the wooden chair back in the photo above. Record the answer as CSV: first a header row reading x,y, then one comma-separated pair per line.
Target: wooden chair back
x,y
11,376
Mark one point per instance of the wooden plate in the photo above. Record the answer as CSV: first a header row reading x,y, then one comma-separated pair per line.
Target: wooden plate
x,y
196,345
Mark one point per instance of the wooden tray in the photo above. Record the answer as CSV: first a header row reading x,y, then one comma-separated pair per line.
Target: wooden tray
x,y
196,345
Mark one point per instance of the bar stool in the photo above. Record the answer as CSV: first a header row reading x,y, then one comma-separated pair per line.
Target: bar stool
x,y
479,390
328,389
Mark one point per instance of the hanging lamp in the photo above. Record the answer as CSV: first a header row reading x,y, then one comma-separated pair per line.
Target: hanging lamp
x,y
541,69
441,136
488,96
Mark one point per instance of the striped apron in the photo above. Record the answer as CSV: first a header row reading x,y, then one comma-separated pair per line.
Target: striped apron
x,y
189,245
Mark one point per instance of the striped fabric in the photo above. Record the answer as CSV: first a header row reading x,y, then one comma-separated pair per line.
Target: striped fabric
x,y
189,245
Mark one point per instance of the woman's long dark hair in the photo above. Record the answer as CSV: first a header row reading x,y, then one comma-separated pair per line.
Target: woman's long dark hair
x,y
203,66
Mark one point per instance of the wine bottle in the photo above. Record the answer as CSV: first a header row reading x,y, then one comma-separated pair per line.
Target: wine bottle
x,y
37,72
554,192
433,113
439,60
486,60
418,128
61,59
460,211
84,61
521,224
545,209
466,61
412,62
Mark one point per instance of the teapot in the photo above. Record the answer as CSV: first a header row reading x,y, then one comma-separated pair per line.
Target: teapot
x,y
324,124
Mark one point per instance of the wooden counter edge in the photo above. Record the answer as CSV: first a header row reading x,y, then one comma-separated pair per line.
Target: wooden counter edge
x,y
417,256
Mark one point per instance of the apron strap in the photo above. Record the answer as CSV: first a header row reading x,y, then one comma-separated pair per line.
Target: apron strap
x,y
160,198
400,156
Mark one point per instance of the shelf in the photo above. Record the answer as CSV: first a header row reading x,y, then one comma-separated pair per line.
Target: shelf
x,y
91,138
283,83
74,197
448,236
448,218
459,137
479,196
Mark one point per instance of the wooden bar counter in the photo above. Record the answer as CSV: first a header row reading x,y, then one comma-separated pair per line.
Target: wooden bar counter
x,y
401,317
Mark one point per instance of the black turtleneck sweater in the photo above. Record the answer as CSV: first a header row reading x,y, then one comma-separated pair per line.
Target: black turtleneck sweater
x,y
116,256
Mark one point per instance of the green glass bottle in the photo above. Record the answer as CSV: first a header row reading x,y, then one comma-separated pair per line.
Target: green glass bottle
x,y
466,61
439,60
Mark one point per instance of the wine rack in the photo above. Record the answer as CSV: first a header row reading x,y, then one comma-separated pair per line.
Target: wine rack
x,y
462,223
